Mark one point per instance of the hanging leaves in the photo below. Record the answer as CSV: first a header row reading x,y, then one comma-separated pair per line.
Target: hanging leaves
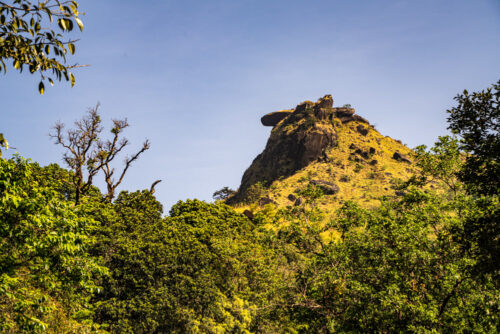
x,y
27,37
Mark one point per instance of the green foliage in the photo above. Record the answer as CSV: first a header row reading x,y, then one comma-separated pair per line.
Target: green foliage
x,y
480,234
26,37
46,275
344,178
195,271
396,269
311,192
424,261
255,192
476,119
442,162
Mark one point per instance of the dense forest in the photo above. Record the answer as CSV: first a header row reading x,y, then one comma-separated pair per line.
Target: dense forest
x,y
76,259
425,260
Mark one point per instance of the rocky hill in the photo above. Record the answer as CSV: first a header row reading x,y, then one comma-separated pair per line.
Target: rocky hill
x,y
318,146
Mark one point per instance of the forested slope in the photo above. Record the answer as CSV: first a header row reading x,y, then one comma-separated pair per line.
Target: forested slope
x,y
361,251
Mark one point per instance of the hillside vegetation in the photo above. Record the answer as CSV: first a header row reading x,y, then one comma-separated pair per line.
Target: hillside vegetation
x,y
334,229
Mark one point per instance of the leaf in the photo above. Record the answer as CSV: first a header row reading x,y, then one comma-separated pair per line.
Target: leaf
x,y
71,48
51,82
72,78
80,23
41,87
62,24
17,64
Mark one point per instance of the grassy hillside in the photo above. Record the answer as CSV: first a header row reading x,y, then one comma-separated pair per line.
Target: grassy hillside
x,y
360,163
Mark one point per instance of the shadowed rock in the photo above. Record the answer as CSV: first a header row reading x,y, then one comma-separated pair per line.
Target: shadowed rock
x,y
362,130
325,102
401,157
347,119
344,111
274,118
299,201
249,214
328,188
265,200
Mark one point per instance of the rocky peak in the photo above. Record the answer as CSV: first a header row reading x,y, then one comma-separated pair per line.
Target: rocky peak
x,y
299,137
323,110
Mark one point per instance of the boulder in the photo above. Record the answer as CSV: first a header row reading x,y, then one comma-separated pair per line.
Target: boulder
x,y
364,154
343,111
303,106
299,201
274,118
265,200
325,102
292,197
373,162
362,130
327,187
401,157
249,214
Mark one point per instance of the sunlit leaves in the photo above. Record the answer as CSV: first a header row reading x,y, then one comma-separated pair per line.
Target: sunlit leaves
x,y
79,22
45,267
27,37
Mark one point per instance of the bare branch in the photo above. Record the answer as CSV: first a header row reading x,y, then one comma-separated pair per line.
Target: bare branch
x,y
128,162
152,189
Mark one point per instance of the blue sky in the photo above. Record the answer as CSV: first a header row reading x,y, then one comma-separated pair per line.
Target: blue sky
x,y
196,76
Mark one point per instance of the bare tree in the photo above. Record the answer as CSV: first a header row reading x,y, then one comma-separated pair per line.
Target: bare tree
x,y
108,151
80,156
86,154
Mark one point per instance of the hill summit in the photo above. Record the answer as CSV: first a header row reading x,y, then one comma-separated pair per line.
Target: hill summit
x,y
321,145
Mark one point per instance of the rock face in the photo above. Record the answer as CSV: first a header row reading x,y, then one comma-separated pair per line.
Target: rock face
x,y
272,119
327,187
298,138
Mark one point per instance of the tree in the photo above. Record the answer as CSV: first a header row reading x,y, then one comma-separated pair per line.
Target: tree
x,y
443,162
476,119
27,39
223,194
46,273
400,270
86,154
200,270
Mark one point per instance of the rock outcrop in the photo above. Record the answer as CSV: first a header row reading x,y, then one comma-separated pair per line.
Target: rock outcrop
x,y
272,119
299,137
